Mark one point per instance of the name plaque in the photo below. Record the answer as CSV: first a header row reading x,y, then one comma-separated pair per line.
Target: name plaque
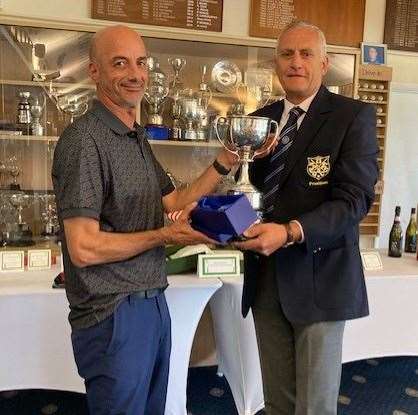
x,y
401,25
188,14
39,259
341,21
12,261
217,265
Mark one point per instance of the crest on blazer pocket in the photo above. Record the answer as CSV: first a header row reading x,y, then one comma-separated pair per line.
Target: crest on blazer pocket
x,y
318,167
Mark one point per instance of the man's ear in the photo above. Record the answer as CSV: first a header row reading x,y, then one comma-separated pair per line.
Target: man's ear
x,y
94,71
325,65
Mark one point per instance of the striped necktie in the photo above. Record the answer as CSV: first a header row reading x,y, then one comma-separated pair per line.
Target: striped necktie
x,y
278,160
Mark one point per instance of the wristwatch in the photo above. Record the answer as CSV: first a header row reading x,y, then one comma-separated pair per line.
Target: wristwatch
x,y
290,240
222,170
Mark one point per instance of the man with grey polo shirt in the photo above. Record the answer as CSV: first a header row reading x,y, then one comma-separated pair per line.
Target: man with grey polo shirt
x,y
111,193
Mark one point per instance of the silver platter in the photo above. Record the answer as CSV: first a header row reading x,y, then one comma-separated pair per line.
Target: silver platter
x,y
226,76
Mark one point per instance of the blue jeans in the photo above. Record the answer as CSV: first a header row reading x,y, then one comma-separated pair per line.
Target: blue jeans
x,y
125,358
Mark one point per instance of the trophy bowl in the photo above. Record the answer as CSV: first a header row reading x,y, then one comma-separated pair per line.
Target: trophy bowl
x,y
247,137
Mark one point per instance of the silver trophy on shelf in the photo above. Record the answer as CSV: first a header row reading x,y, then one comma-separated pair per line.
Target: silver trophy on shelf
x,y
72,105
23,116
36,108
247,137
177,64
176,129
3,173
20,234
155,95
203,96
49,216
190,115
14,171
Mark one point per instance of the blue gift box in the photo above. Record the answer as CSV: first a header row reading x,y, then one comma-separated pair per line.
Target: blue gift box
x,y
223,217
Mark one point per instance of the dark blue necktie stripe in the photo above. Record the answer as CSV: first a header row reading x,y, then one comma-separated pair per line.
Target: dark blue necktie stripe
x,y
278,159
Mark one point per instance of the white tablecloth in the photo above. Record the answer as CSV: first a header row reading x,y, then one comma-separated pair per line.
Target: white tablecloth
x,y
390,330
35,345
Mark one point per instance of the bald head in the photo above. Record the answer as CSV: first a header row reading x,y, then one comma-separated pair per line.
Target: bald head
x,y
118,67
106,38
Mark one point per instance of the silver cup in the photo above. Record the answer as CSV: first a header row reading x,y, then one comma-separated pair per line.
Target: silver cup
x,y
155,96
190,115
23,109
247,137
73,105
156,92
36,109
177,65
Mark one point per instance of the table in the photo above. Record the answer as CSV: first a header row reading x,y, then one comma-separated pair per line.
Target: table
x,y
390,330
35,345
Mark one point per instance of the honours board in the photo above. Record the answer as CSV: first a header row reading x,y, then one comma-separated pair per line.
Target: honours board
x,y
188,14
401,25
341,20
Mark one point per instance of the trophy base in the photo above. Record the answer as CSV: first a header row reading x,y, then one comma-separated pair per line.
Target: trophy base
x,y
20,235
254,197
175,133
14,186
189,135
201,135
157,132
37,129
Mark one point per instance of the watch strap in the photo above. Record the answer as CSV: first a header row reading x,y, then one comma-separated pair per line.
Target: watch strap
x,y
290,240
222,170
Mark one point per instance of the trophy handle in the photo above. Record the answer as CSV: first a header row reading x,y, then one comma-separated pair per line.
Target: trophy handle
x,y
276,134
215,126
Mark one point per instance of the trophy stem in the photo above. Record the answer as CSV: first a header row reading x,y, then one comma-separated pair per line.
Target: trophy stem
x,y
244,185
244,177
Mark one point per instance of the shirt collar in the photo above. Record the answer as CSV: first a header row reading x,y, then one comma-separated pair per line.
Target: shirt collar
x,y
111,120
304,104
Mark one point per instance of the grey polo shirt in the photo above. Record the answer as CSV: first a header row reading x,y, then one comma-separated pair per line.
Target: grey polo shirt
x,y
104,171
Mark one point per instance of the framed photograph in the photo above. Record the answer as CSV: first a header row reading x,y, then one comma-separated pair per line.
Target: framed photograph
x,y
373,53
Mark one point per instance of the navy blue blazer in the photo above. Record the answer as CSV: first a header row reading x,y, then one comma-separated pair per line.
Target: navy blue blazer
x,y
328,186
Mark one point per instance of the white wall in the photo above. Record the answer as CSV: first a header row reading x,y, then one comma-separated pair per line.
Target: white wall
x,y
401,161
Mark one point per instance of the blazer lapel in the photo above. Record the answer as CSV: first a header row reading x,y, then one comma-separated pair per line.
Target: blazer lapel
x,y
317,114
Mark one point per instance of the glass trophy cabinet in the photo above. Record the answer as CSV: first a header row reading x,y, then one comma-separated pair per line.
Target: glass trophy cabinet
x,y
44,86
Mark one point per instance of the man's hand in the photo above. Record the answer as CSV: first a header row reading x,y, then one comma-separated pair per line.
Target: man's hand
x,y
180,231
265,238
227,159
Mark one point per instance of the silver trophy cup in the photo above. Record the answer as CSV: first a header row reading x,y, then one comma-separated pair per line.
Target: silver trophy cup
x,y
247,137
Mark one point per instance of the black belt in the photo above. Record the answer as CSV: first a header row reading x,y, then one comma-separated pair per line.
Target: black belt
x,y
148,293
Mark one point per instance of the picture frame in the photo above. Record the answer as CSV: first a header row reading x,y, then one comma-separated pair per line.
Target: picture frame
x,y
373,53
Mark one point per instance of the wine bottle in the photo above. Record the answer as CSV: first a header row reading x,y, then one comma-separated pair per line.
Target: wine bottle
x,y
411,233
396,235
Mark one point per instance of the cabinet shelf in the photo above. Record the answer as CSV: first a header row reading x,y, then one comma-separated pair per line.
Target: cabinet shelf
x,y
28,137
370,101
48,84
47,139
373,90
190,143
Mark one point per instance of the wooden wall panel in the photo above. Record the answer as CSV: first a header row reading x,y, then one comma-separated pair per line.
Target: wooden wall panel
x,y
341,20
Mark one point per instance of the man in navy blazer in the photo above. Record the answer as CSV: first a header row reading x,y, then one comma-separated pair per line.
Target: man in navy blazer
x,y
303,271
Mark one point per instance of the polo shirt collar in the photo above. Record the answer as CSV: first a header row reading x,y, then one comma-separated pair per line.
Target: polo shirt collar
x,y
110,119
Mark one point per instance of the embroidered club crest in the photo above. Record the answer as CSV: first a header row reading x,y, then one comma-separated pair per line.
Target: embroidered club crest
x,y
318,167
